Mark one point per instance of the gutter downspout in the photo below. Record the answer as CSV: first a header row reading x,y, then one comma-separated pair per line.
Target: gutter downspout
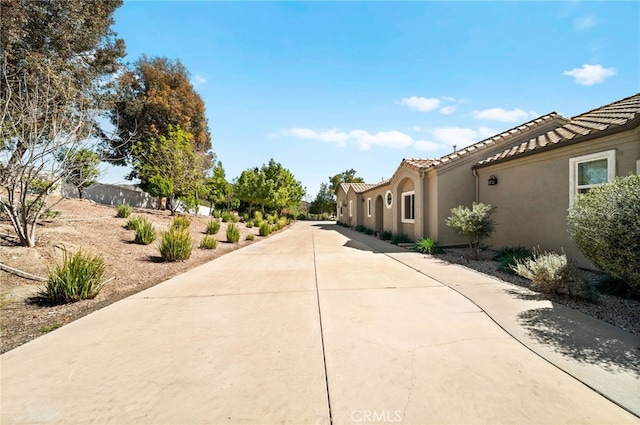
x,y
475,173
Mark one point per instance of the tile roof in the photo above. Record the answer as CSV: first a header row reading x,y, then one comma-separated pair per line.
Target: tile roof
x,y
421,164
361,187
616,116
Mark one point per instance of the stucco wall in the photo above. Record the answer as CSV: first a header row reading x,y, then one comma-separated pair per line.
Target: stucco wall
x,y
532,194
112,195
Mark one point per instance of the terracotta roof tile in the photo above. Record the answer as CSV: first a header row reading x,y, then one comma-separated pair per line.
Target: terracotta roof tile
x,y
612,117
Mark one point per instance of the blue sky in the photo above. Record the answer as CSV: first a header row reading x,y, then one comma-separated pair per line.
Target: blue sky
x,y
322,87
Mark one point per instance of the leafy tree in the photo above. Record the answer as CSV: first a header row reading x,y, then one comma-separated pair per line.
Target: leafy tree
x,y
169,167
251,188
475,224
153,95
324,202
347,176
605,225
283,191
80,168
54,78
216,187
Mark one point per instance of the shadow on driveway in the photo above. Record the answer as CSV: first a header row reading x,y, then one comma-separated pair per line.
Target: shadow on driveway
x,y
574,339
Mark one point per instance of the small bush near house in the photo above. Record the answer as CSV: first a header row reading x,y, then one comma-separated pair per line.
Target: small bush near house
x,y
400,238
429,246
145,233
359,228
508,256
475,224
605,225
233,233
180,222
264,229
175,245
385,235
554,273
213,226
369,232
80,276
251,237
124,211
133,223
208,242
617,287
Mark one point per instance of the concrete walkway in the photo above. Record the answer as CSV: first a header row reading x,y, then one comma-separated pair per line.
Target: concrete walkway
x,y
321,325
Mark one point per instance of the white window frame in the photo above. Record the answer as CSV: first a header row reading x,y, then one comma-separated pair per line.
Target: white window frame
x,y
368,207
609,155
386,196
411,193
350,207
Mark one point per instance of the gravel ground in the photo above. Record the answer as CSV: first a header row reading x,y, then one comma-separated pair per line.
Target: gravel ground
x,y
620,312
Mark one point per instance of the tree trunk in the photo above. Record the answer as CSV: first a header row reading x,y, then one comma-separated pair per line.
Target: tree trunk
x,y
80,192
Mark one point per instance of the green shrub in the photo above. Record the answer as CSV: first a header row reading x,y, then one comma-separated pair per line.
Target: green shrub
x,y
270,219
605,225
282,222
400,238
264,229
245,217
617,287
359,228
145,233
124,211
554,273
429,246
217,214
208,242
251,237
385,235
80,276
508,256
133,223
180,222
226,217
301,216
475,224
249,224
175,245
213,226
369,232
257,216
233,233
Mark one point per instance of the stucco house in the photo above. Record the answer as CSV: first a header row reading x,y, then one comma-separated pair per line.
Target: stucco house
x,y
524,171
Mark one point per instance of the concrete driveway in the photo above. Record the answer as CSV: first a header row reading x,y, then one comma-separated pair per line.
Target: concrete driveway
x,y
308,326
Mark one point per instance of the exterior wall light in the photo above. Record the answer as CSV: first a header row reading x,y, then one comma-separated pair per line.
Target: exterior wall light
x,y
493,180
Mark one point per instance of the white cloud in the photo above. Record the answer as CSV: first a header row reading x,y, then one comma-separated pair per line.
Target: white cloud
x,y
500,114
329,136
199,80
447,110
428,146
584,23
422,104
390,139
461,136
589,75
449,99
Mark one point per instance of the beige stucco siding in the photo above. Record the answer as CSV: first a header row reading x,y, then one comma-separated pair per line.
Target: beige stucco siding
x,y
532,194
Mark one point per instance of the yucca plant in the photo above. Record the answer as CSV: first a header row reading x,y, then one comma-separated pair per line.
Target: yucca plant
x,y
175,245
80,276
145,232
264,229
124,211
133,223
208,242
180,222
213,227
233,233
429,246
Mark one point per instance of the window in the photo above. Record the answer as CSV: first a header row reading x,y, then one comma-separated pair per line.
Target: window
x,y
408,207
350,208
368,207
590,170
340,210
388,199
